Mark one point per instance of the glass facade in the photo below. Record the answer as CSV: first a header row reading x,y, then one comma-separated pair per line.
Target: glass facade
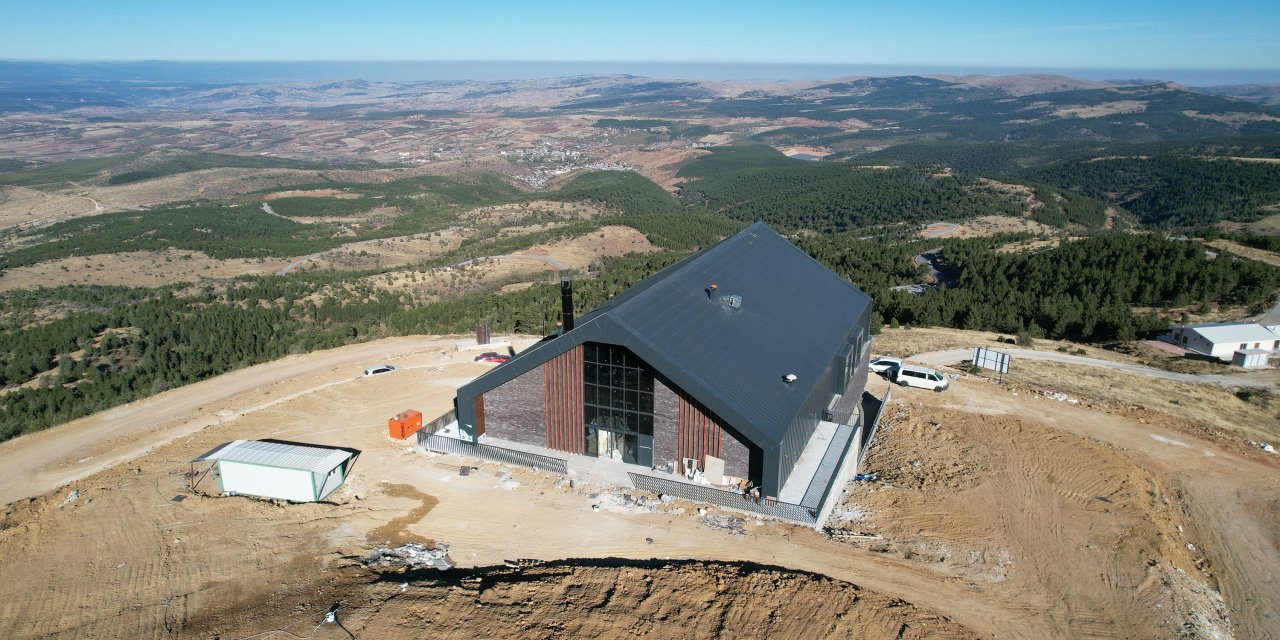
x,y
617,404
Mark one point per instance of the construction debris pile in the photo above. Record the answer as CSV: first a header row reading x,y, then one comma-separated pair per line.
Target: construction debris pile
x,y
1059,396
409,556
624,503
729,524
1261,445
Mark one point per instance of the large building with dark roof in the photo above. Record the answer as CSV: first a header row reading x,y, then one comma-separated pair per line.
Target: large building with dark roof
x,y
737,353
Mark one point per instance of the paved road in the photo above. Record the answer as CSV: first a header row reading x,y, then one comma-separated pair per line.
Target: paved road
x,y
1267,378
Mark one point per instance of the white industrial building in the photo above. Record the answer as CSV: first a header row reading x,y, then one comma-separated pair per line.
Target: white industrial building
x,y
277,470
1223,340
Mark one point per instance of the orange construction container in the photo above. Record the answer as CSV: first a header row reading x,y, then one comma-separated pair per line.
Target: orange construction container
x,y
405,424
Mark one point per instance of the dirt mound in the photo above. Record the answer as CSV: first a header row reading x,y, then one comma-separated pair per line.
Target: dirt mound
x,y
625,599
1077,521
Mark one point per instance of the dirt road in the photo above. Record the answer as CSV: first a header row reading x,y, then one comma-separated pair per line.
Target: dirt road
x,y
1268,378
39,462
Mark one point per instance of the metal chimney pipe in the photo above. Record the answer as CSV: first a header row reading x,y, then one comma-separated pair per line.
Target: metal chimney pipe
x,y
566,303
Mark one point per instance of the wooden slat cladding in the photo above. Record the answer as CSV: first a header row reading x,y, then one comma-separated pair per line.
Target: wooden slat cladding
x,y
479,416
565,422
698,433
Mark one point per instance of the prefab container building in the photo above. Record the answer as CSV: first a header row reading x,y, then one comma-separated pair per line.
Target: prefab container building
x,y
281,471
1250,358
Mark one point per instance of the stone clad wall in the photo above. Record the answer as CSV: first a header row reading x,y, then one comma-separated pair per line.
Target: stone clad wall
x,y
666,417
516,411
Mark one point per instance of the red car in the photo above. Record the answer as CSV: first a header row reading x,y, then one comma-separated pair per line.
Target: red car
x,y
492,357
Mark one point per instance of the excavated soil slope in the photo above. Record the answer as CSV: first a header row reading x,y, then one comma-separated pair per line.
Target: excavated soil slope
x,y
624,599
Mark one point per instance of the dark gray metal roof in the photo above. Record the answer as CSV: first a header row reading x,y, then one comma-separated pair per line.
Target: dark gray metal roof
x,y
795,315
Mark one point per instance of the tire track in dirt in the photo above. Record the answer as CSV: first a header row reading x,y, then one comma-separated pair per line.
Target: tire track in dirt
x,y
1079,529
1222,498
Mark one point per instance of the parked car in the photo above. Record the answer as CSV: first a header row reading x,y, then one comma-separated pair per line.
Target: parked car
x,y
884,365
380,368
484,357
912,376
495,358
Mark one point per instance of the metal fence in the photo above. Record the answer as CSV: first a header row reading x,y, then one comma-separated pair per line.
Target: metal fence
x,y
850,447
726,499
870,432
445,444
441,422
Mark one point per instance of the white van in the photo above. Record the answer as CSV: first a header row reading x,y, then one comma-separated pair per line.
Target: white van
x,y
909,375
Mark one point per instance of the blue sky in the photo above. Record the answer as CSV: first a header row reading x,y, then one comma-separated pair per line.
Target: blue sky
x,y
1128,34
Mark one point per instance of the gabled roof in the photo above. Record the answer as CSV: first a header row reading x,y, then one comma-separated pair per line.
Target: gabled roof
x,y
1226,332
795,317
275,454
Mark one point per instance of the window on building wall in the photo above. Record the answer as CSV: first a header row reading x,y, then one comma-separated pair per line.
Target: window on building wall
x,y
617,389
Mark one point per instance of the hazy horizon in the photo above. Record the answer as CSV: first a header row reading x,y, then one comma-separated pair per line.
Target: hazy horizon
x,y
1179,40
219,71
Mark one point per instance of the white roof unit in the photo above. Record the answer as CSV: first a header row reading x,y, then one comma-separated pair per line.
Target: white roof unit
x,y
275,454
1226,333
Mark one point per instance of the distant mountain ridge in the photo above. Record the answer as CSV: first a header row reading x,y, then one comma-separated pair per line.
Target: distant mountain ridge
x,y
1268,94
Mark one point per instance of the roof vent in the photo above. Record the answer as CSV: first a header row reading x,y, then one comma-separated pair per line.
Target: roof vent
x,y
734,301
790,377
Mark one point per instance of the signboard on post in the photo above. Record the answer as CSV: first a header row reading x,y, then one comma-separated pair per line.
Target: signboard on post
x,y
991,359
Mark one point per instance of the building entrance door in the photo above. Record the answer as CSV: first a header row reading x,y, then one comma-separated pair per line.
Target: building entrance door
x,y
630,448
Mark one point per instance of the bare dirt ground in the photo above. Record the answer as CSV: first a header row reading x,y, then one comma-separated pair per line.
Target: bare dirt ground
x,y
1269,224
905,342
1247,251
481,275
611,240
660,166
505,214
1235,118
574,253
387,252
988,226
1216,410
1087,523
59,201
135,268
612,599
999,513
311,193
1100,110
1220,409
23,207
800,149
